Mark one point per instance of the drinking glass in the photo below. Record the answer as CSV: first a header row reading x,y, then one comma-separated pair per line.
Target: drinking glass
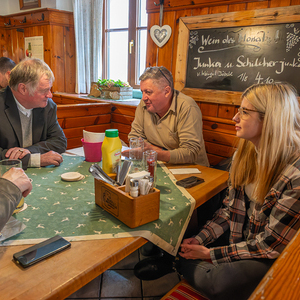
x,y
7,164
136,149
150,163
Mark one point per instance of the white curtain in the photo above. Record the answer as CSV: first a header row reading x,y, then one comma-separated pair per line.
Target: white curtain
x,y
88,36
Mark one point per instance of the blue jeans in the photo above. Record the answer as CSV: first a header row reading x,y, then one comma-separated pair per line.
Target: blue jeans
x,y
233,281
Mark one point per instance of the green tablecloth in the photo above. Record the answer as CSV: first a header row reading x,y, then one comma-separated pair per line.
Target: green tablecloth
x,y
69,209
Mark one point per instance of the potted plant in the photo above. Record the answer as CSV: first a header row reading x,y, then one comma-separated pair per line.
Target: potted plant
x,y
111,89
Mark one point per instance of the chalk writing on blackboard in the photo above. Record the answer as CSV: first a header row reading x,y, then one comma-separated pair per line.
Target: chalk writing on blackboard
x,y
234,58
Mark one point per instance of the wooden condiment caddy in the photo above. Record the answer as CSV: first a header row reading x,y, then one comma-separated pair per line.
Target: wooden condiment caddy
x,y
133,212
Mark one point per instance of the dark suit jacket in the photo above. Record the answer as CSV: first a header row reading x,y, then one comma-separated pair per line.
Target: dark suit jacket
x,y
46,133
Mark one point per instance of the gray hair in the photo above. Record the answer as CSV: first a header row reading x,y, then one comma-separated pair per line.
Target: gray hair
x,y
29,71
6,64
161,75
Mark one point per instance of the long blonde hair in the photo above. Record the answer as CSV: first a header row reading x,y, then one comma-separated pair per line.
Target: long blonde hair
x,y
280,138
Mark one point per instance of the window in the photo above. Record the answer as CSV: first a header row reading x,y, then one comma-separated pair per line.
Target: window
x,y
125,37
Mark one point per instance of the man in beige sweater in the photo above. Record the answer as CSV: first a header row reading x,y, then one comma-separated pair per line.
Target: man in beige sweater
x,y
169,121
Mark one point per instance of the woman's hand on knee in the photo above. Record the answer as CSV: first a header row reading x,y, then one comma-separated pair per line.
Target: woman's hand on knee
x,y
192,251
192,241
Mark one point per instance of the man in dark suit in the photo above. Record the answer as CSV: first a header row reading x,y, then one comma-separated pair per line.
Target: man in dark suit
x,y
28,123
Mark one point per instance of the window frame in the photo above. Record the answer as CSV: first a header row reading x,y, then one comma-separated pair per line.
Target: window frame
x,y
133,35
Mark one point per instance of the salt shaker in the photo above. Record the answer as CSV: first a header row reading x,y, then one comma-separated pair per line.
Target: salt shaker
x,y
134,188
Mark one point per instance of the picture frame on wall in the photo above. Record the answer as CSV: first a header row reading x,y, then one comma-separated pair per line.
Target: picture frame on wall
x,y
28,4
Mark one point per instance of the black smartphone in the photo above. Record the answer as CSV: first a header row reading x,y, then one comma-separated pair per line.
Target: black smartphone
x,y
38,252
189,181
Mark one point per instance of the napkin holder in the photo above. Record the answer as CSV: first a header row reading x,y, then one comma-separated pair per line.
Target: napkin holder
x,y
133,212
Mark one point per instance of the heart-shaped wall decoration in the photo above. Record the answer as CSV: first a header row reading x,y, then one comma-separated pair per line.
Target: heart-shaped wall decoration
x,y
160,35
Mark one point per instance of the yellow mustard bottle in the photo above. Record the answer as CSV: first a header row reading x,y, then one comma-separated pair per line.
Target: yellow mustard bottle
x,y
111,151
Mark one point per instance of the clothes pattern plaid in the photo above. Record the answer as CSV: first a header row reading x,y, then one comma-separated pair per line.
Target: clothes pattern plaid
x,y
272,225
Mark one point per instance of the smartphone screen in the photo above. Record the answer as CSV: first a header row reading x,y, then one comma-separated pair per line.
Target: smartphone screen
x,y
40,251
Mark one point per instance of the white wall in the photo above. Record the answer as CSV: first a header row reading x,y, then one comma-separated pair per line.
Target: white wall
x,y
9,7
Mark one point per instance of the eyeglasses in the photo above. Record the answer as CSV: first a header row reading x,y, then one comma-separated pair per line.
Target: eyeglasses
x,y
162,73
244,112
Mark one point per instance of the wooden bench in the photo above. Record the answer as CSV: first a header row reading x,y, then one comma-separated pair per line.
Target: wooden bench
x,y
77,112
74,118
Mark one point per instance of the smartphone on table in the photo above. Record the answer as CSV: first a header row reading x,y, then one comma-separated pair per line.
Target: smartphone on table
x,y
189,181
38,252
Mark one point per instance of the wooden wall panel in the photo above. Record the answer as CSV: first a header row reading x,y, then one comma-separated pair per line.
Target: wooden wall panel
x,y
116,118
165,54
74,118
218,9
152,49
278,3
15,46
219,138
57,57
208,109
57,29
218,126
257,5
70,59
226,111
85,109
126,110
200,11
87,121
237,7
3,42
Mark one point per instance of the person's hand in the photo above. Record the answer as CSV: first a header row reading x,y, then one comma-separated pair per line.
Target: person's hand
x,y
125,153
188,241
163,155
16,153
20,179
192,241
51,158
148,146
190,249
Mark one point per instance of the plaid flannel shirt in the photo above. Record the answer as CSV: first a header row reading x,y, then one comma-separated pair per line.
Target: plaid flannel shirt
x,y
271,226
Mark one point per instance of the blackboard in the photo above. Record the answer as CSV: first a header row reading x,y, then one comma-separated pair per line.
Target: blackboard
x,y
234,58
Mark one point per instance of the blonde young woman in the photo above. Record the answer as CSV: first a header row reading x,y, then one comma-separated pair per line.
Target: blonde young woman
x,y
261,212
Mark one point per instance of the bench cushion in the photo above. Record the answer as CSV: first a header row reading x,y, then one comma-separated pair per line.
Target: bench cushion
x,y
183,291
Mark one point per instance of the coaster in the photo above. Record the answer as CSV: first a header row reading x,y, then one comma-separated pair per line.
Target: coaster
x,y
72,176
17,210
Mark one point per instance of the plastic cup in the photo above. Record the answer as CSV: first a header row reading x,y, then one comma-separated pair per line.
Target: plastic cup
x,y
92,151
93,137
7,164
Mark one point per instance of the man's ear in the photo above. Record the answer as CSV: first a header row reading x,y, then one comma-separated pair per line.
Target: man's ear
x,y
7,75
22,88
168,91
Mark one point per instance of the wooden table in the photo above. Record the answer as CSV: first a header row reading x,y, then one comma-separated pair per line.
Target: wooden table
x,y
66,272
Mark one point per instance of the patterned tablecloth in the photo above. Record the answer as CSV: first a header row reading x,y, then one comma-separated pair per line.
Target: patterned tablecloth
x,y
69,209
